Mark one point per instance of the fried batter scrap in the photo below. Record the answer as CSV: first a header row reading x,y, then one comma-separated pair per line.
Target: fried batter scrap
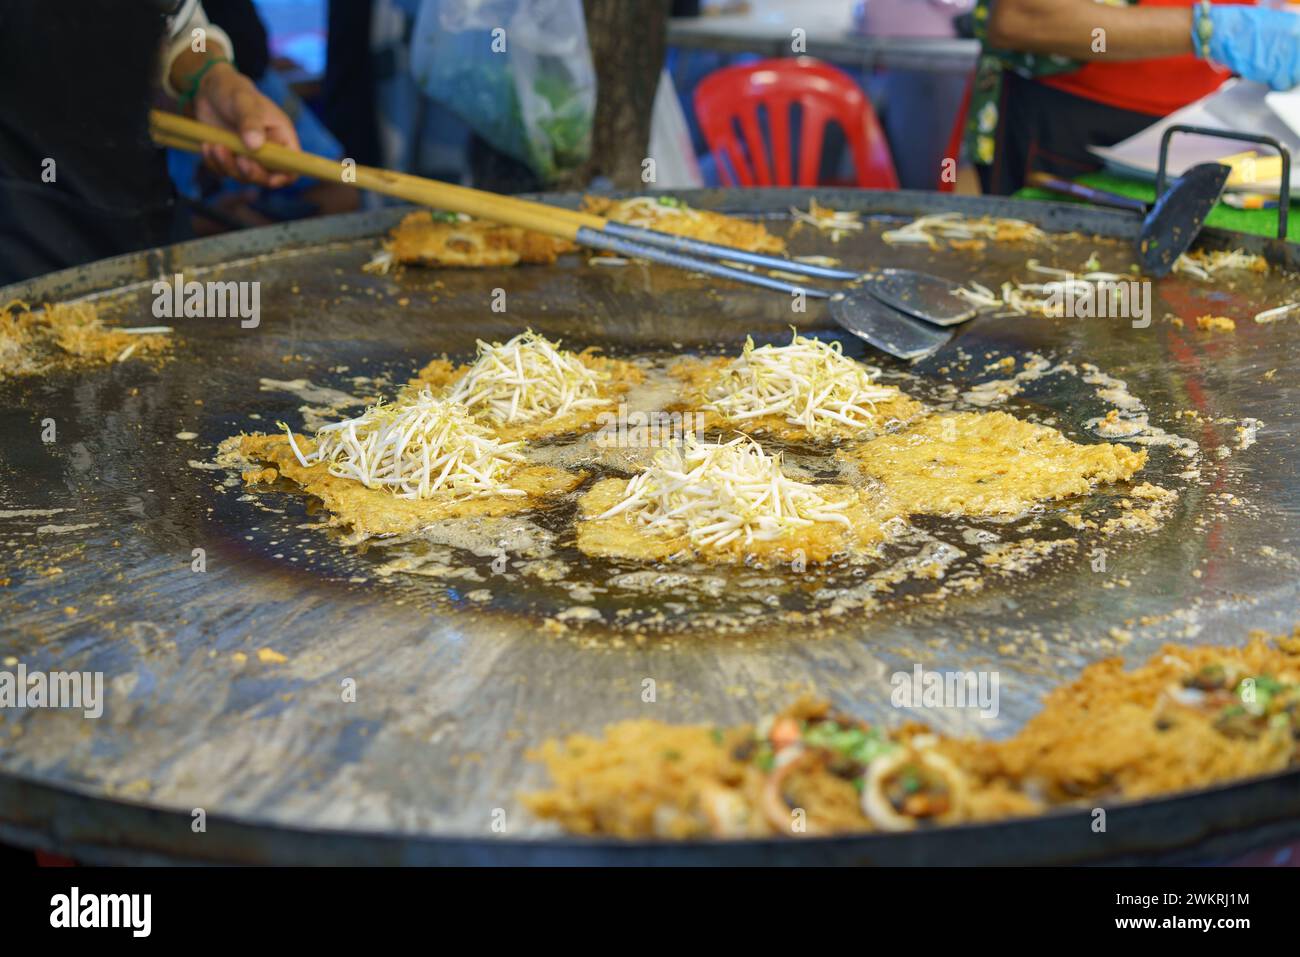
x,y
66,335
1188,718
963,232
1216,324
421,239
986,463
647,777
837,223
669,215
1208,263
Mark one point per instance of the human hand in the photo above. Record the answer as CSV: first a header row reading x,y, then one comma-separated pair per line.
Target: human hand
x,y
1254,42
229,100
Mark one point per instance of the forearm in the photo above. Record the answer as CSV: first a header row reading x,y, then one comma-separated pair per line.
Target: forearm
x,y
187,30
1066,27
188,64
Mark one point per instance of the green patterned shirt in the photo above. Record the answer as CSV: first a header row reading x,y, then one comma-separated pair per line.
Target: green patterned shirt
x,y
982,119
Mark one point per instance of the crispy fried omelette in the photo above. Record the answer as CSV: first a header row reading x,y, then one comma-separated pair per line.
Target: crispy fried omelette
x,y
701,379
972,464
420,239
1188,718
726,502
618,537
986,463
376,511
668,215
616,377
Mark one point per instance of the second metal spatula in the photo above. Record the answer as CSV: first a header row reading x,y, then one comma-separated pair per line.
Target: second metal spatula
x,y
1175,220
1170,225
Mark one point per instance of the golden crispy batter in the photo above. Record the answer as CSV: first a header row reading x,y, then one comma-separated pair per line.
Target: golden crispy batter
x,y
419,239
436,376
986,463
67,335
1216,324
376,511
1138,733
681,220
1175,723
699,376
646,777
620,537
441,373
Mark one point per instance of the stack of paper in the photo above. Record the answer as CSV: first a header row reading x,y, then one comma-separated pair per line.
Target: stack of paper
x,y
1238,105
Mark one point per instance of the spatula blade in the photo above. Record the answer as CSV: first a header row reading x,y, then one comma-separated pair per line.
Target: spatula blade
x,y
887,329
920,294
1176,218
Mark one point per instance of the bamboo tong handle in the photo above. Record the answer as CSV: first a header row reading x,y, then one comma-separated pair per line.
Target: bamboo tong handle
x,y
587,229
183,133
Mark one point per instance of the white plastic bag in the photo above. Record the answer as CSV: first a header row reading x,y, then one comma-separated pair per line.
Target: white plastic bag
x,y
670,141
519,72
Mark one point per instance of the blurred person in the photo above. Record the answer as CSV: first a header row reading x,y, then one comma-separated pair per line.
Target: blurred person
x,y
220,203
1057,76
80,178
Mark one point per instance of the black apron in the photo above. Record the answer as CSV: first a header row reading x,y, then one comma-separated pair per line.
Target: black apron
x,y
1043,128
77,78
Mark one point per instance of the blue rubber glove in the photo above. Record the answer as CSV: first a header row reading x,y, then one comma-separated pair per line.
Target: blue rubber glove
x,y
1254,42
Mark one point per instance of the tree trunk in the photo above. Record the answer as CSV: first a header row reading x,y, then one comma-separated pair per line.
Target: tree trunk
x,y
628,41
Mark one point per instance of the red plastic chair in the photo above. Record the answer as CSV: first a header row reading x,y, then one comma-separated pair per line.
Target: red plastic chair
x,y
734,94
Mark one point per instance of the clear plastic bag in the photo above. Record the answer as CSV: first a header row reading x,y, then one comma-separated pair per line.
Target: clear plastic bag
x,y
519,72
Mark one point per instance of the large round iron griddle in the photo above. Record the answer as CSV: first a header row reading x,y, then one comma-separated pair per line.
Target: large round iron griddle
x,y
429,757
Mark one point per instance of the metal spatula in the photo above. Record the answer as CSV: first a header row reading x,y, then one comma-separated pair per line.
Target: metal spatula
x,y
919,294
884,327
1170,225
926,296
859,310
1175,220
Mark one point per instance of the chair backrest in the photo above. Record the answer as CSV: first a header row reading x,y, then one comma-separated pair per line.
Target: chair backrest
x,y
733,95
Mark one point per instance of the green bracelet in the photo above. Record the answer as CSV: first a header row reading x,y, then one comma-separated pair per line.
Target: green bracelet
x,y
1204,29
197,78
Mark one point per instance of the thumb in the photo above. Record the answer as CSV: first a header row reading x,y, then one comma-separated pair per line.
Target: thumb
x,y
252,134
250,119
